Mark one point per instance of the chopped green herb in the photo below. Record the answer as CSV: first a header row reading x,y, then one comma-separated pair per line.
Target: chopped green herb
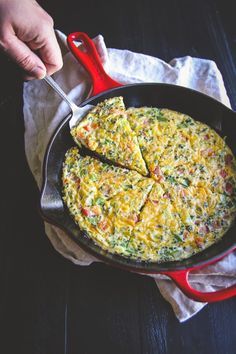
x,y
93,220
93,178
185,182
100,201
178,238
171,179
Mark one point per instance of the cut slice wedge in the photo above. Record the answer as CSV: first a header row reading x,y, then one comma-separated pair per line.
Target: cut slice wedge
x,y
106,131
157,234
104,200
154,129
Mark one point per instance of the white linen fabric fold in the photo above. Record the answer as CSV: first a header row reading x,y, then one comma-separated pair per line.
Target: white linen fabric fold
x,y
43,110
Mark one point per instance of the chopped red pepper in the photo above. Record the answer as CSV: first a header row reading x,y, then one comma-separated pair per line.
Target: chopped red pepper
x,y
87,127
199,241
85,211
157,171
103,225
80,135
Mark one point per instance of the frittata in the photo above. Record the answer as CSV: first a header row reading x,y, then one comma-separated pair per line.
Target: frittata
x,y
106,130
104,200
187,204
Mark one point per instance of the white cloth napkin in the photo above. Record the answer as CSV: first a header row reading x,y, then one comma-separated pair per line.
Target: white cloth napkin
x,y
43,110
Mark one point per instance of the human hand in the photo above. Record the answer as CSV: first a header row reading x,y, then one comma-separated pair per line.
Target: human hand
x,y
28,38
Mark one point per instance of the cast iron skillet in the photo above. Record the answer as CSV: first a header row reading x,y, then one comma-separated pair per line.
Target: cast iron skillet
x,y
193,103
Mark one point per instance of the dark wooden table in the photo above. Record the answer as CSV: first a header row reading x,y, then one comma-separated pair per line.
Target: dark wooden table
x,y
47,304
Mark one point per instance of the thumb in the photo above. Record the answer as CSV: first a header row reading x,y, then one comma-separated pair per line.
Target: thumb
x,y
25,58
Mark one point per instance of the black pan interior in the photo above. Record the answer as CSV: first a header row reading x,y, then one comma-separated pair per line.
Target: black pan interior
x,y
197,105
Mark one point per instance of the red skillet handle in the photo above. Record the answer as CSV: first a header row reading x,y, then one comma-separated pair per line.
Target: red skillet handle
x,y
181,280
91,62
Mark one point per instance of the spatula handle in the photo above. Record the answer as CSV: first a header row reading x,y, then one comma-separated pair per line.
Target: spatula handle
x,y
49,80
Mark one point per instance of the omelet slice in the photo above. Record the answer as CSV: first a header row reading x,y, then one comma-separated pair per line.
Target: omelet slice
x,y
104,200
106,130
154,128
121,214
158,234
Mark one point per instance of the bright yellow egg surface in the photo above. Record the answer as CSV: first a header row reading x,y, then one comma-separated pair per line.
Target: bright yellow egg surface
x,y
186,203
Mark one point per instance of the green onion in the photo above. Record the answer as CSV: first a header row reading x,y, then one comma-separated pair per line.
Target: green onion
x,y
185,182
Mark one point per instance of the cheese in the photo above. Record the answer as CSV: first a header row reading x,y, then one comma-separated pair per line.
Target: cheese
x,y
187,204
106,130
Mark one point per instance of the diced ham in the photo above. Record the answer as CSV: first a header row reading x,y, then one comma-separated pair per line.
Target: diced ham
x,y
228,159
155,201
206,137
229,188
223,173
183,193
180,171
166,195
157,171
135,218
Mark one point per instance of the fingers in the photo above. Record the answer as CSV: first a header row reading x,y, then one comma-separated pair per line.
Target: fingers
x,y
47,48
39,57
27,36
27,60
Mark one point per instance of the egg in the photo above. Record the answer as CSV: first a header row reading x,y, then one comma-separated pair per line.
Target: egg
x,y
185,204
106,131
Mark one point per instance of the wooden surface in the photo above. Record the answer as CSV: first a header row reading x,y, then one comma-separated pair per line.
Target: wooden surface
x,y
47,304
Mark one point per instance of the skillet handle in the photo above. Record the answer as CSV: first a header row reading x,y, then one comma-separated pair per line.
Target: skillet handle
x,y
181,280
91,62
